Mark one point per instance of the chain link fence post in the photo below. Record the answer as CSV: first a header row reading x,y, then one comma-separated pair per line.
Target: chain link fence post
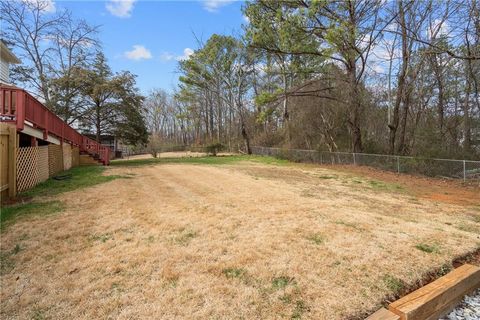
x,y
398,164
464,172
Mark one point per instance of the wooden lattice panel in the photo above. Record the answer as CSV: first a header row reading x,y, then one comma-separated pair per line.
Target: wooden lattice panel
x,y
27,173
75,157
55,159
42,164
67,156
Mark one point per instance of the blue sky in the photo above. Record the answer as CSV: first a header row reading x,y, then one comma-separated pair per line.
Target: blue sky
x,y
149,37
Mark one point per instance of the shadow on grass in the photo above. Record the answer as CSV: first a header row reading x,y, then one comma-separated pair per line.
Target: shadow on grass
x,y
11,213
219,160
79,177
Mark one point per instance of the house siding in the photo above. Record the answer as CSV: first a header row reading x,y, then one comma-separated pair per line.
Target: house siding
x,y
4,71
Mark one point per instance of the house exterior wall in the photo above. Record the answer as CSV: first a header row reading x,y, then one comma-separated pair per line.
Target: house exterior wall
x,y
6,59
4,71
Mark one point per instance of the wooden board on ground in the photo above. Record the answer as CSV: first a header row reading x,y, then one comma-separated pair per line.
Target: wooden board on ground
x,y
383,314
437,298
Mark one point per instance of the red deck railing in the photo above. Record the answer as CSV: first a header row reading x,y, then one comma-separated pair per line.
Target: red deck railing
x,y
18,106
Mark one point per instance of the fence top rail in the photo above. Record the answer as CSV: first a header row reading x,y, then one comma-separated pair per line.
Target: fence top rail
x,y
373,154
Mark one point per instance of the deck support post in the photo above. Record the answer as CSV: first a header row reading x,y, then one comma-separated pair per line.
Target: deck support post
x,y
20,111
12,162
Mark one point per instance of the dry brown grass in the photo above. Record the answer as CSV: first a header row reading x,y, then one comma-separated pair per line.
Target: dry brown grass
x,y
176,154
243,241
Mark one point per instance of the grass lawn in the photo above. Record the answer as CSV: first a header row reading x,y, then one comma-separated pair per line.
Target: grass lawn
x,y
79,177
200,160
235,237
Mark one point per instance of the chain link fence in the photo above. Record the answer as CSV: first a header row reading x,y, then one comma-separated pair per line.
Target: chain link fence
x,y
444,168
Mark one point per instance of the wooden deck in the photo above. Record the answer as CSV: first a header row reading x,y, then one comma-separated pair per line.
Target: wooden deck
x,y
31,117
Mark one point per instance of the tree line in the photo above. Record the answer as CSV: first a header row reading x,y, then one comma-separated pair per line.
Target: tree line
x,y
64,67
397,77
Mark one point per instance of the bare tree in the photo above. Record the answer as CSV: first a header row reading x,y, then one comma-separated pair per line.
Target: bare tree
x,y
52,46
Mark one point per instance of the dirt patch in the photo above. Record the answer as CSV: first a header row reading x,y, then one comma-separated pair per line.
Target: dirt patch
x,y
17,200
472,258
234,241
440,190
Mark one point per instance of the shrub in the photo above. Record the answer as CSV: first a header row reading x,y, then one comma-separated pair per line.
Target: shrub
x,y
214,148
154,145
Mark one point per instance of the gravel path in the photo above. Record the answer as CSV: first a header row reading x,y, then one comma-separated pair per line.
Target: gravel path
x,y
468,309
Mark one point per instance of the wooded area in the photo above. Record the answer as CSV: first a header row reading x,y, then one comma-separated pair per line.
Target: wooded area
x,y
398,77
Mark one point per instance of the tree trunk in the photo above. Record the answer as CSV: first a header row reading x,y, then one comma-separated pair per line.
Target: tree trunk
x,y
246,138
211,120
98,122
441,107
243,128
437,71
355,110
400,96
467,142
402,147
286,114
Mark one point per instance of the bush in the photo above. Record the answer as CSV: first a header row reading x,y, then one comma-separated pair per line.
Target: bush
x,y
154,145
214,148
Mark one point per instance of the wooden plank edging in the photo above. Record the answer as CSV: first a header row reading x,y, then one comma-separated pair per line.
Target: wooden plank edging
x,y
383,314
437,298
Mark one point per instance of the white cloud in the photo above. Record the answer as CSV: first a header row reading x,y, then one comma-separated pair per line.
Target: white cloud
x,y
214,5
120,8
138,53
46,6
378,68
438,28
381,53
167,56
187,52
246,19
386,50
392,27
